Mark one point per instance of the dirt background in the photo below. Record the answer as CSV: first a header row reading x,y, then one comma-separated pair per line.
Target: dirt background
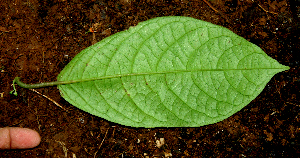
x,y
39,37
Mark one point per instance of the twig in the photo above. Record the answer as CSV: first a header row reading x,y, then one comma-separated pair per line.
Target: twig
x,y
264,8
63,146
101,143
213,8
49,99
292,103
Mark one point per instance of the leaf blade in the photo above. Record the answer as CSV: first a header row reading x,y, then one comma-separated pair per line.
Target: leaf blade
x,y
179,74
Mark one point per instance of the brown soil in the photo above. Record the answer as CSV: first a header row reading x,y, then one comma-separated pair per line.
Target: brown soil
x,y
39,37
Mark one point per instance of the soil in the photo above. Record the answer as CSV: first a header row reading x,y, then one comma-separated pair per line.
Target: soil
x,y
39,37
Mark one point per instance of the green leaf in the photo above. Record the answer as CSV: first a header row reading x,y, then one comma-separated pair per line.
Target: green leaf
x,y
168,72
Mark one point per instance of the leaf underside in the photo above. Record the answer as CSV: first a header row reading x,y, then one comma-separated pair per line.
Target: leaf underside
x,y
168,72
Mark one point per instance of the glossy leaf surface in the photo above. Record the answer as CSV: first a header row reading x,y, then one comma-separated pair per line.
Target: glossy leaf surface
x,y
168,72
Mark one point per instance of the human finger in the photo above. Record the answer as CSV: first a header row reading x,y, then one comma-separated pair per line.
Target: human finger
x,y
18,138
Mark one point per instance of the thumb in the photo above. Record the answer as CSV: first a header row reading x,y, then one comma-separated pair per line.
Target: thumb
x,y
18,138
